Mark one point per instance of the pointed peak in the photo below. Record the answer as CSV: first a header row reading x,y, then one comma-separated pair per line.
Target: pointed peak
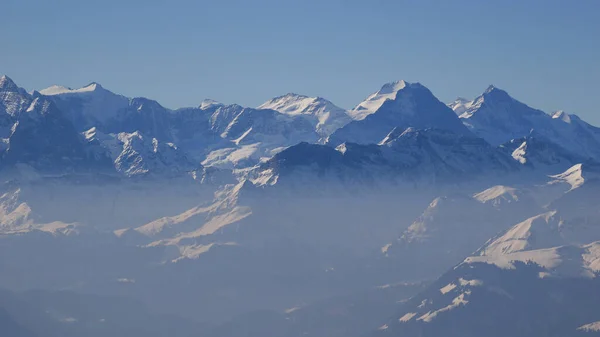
x,y
6,83
372,103
496,93
92,87
490,88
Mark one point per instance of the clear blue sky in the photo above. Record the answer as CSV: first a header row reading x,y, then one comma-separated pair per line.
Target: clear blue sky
x,y
543,52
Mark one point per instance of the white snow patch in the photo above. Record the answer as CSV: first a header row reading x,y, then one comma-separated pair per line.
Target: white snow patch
x,y
573,176
407,317
456,302
448,288
592,327
520,154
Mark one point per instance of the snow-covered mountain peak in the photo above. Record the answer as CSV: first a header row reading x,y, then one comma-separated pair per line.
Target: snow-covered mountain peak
x,y
326,116
375,100
295,104
59,89
490,88
392,87
55,90
411,106
496,94
492,98
7,84
209,103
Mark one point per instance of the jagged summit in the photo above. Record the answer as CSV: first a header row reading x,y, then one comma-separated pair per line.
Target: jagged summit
x,y
392,87
490,88
326,116
493,92
7,84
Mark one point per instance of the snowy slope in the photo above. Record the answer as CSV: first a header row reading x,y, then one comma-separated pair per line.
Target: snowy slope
x,y
322,113
498,118
577,175
376,100
228,136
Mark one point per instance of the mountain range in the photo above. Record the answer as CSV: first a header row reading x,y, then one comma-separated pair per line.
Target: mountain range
x,y
403,216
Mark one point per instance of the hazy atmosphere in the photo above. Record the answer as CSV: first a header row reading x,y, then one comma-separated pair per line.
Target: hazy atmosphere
x,y
299,168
